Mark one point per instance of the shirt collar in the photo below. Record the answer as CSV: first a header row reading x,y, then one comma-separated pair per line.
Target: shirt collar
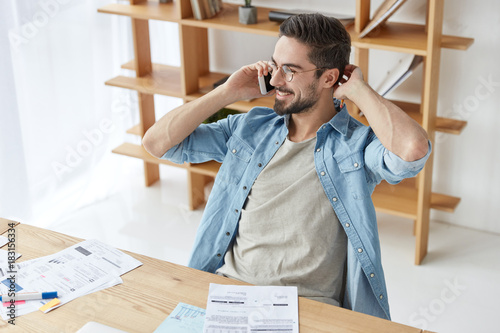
x,y
340,121
287,120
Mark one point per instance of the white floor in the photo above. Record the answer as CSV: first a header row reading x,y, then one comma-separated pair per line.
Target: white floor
x,y
457,289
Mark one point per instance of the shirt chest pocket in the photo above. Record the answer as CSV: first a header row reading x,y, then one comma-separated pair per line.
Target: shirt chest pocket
x,y
352,170
236,161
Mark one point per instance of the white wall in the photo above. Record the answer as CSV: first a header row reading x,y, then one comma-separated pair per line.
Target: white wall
x,y
468,165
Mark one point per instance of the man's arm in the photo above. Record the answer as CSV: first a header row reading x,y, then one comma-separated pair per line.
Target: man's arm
x,y
395,129
177,124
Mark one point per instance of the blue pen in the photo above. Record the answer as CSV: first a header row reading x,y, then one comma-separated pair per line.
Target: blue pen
x,y
28,296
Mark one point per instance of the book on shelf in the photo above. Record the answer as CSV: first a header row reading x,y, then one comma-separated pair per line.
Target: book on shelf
x,y
383,12
281,15
198,10
404,69
204,9
217,5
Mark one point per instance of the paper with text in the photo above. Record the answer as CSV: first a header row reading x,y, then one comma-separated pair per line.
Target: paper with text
x,y
73,272
242,309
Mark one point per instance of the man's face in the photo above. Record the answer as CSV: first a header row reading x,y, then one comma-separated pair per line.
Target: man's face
x,y
303,100
301,94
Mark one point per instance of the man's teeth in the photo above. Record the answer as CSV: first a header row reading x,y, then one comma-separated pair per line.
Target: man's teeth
x,y
282,93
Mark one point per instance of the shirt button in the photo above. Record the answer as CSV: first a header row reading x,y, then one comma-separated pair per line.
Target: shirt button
x,y
322,173
237,211
219,255
372,275
356,165
381,296
318,150
347,225
360,250
334,199
277,142
244,188
259,165
233,151
228,233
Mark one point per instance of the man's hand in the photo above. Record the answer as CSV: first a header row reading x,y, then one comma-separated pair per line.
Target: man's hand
x,y
348,85
396,130
243,84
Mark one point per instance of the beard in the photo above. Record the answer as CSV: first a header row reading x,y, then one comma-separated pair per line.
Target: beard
x,y
301,105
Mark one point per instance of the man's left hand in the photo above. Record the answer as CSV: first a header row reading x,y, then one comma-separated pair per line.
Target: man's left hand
x,y
351,82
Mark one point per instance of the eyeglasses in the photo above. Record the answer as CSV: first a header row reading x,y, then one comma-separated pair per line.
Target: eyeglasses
x,y
286,71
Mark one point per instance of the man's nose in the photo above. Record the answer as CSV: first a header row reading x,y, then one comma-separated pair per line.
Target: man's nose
x,y
277,78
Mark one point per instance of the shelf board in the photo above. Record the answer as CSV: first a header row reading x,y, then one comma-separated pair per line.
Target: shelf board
x,y
406,38
227,19
401,199
445,125
132,150
163,80
392,36
136,130
148,10
456,42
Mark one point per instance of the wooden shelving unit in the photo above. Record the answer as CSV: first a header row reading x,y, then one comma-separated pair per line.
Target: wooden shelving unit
x,y
412,198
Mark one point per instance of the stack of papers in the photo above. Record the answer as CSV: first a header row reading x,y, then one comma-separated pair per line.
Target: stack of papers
x,y
81,269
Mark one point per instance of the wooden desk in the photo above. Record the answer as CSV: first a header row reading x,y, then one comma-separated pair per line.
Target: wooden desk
x,y
149,293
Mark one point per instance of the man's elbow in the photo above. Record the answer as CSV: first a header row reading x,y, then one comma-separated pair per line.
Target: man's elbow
x,y
416,150
151,145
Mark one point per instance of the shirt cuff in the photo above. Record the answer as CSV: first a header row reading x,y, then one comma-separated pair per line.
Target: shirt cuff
x,y
174,155
400,167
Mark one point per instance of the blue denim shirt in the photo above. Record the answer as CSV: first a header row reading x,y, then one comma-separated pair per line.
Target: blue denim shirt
x,y
350,161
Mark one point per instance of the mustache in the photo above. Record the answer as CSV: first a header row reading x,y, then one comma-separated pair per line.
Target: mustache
x,y
286,91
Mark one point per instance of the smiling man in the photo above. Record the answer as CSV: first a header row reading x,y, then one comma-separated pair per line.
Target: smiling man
x,y
291,204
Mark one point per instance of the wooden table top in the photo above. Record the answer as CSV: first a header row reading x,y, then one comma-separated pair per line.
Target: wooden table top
x,y
149,293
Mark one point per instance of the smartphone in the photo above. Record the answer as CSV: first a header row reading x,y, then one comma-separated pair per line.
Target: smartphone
x,y
265,85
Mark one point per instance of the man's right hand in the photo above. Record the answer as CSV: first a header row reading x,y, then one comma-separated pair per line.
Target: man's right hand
x,y
244,84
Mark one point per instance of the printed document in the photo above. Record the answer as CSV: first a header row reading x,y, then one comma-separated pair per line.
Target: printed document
x,y
242,309
73,272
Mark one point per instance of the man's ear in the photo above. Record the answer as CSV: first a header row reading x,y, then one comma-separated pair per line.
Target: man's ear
x,y
330,77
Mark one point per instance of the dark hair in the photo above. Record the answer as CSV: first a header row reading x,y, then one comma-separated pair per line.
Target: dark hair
x,y
329,42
